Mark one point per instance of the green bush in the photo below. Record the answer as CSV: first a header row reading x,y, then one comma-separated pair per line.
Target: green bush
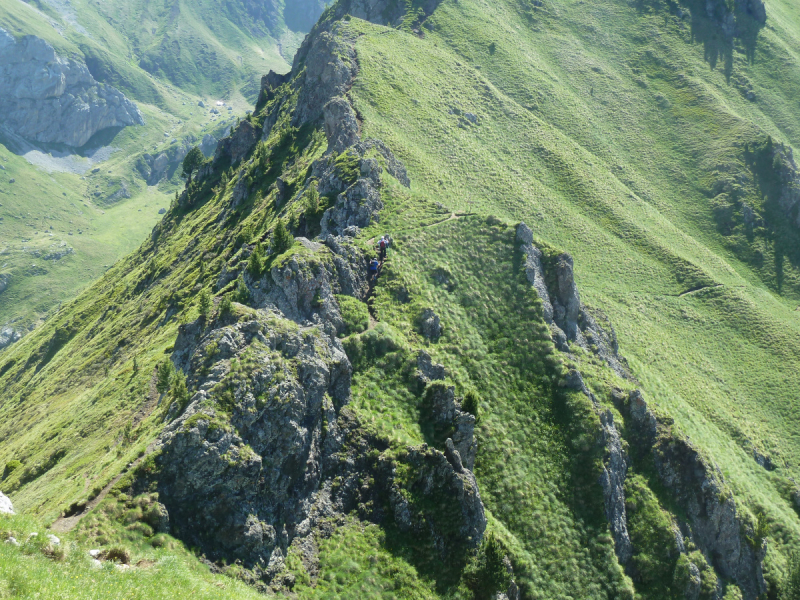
x,y
225,305
192,162
471,403
10,467
354,313
373,344
487,574
312,200
180,393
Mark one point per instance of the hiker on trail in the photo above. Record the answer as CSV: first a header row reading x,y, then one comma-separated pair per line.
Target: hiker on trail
x,y
382,246
373,268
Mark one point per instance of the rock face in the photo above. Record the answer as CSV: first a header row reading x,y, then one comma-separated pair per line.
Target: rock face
x,y
613,482
155,168
713,521
569,319
49,99
450,422
242,477
266,449
699,488
5,505
234,147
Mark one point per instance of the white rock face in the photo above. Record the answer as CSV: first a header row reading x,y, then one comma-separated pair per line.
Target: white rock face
x,y
50,99
5,505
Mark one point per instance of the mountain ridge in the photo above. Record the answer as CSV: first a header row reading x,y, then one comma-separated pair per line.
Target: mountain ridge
x,y
585,481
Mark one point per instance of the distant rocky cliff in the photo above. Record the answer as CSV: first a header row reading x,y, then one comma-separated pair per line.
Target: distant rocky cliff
x,y
49,99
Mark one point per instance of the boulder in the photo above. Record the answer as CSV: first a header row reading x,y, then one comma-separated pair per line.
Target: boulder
x,y
5,505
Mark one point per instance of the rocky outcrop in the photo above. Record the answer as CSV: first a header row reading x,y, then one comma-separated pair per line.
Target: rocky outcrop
x,y
266,451
49,99
715,522
154,168
428,371
234,147
440,480
430,325
5,505
243,460
451,424
569,319
615,469
8,335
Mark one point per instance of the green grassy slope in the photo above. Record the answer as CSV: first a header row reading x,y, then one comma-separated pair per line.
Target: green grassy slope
x,y
572,142
602,128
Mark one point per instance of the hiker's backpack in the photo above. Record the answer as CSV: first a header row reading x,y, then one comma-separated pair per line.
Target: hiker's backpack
x,y
383,244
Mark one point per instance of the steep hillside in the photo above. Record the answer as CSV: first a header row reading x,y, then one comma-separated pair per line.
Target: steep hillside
x,y
162,69
573,377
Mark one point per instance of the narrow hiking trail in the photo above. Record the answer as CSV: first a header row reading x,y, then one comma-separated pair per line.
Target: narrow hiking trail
x,y
67,523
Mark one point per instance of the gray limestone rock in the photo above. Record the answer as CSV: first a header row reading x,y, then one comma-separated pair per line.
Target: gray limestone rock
x,y
427,370
429,325
358,205
8,335
717,527
569,319
5,505
450,422
49,99
234,147
237,477
615,468
341,125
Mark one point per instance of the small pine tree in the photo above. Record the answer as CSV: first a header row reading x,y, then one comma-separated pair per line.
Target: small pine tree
x,y
164,376
204,303
225,305
135,366
471,403
180,393
192,162
282,240
256,263
312,200
242,293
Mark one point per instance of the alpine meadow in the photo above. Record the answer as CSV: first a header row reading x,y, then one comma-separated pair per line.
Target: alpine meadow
x,y
459,299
